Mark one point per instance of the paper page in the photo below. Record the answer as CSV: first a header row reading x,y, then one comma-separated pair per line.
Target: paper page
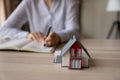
x,y
14,44
37,47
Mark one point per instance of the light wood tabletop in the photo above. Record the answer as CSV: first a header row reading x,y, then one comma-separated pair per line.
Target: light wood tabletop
x,y
38,66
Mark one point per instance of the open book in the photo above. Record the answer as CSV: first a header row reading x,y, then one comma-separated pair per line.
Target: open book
x,y
25,45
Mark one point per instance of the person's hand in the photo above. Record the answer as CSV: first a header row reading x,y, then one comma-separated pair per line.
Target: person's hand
x,y
37,36
52,39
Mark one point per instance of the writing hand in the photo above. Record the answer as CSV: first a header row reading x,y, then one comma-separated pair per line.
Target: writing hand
x,y
52,39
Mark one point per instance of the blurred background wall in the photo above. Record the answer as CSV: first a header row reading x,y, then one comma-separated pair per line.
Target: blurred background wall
x,y
2,11
96,21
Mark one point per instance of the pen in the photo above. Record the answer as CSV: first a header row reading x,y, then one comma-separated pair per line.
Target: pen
x,y
48,33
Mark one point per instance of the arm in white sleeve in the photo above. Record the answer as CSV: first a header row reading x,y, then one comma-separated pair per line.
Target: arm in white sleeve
x,y
12,27
72,21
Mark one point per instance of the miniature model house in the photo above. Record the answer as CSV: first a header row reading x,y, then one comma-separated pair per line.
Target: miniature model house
x,y
74,55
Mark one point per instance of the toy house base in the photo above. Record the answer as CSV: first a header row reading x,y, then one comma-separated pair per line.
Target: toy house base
x,y
75,68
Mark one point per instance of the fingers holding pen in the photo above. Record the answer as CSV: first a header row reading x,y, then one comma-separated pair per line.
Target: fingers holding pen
x,y
52,39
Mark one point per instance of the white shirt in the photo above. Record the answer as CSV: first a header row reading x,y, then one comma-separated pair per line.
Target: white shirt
x,y
62,16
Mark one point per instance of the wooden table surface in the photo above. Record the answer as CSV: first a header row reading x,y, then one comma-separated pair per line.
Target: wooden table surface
x,y
38,66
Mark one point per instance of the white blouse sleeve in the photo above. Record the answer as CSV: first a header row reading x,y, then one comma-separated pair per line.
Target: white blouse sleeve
x,y
72,21
12,26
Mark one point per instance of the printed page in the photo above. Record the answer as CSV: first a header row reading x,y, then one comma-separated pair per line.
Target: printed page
x,y
13,44
38,47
